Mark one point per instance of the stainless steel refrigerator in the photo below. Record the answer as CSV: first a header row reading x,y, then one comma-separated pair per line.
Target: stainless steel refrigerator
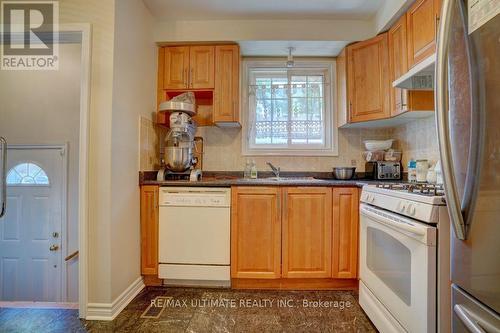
x,y
468,121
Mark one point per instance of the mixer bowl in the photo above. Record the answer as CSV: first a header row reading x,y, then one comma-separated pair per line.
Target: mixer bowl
x,y
178,159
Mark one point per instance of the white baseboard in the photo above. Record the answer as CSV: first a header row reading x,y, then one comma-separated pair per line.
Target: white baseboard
x,y
109,311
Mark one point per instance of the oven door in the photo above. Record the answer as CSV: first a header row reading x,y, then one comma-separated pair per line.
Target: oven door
x,y
398,266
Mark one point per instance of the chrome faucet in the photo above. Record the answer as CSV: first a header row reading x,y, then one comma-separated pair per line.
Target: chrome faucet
x,y
276,170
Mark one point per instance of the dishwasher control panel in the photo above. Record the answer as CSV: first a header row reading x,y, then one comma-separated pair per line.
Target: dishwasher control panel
x,y
195,196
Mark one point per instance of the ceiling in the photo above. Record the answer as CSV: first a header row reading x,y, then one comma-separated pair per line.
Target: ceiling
x,y
300,48
262,9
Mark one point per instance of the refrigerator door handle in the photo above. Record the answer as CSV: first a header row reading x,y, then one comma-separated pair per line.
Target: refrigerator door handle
x,y
442,120
3,176
473,322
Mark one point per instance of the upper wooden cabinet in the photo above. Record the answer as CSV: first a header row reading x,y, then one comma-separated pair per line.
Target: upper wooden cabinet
x,y
149,230
256,232
342,103
422,24
368,79
176,67
211,72
227,84
307,227
345,233
403,100
189,67
201,66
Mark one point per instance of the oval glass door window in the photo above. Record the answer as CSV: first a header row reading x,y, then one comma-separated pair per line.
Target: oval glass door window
x,y
27,174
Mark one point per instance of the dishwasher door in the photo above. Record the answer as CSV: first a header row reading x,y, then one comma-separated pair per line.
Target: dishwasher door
x,y
194,233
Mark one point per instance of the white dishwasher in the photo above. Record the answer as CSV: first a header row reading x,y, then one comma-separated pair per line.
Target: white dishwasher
x,y
194,236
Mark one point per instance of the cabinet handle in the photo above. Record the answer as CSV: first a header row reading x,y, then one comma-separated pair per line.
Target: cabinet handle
x,y
403,105
436,26
185,78
191,77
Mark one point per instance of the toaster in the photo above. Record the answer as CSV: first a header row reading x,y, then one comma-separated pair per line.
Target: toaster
x,y
383,170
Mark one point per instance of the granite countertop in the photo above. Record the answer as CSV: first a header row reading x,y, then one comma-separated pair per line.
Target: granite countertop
x,y
227,179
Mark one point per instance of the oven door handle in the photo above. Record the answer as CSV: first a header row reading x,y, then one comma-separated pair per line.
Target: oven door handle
x,y
388,220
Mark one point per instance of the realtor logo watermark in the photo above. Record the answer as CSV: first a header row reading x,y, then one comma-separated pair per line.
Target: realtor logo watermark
x,y
29,35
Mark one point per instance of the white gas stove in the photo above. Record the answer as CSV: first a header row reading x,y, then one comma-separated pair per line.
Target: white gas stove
x,y
404,257
418,201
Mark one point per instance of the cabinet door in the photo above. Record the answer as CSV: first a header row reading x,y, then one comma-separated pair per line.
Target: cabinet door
x,y
345,233
398,64
404,100
255,232
368,79
342,107
201,67
227,83
149,230
307,232
176,67
422,22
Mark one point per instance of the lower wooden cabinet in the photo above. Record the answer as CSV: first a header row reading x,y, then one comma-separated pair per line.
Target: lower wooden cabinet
x,y
149,230
345,233
294,237
256,232
307,230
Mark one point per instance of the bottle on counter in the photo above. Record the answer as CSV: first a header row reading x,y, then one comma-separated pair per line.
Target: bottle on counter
x,y
253,170
422,168
248,169
412,171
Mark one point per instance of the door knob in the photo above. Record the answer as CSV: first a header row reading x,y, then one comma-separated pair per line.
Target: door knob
x,y
54,247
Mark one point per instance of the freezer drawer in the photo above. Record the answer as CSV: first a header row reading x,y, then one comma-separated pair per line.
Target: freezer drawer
x,y
469,315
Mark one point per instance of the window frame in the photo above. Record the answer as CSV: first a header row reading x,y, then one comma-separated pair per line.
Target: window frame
x,y
304,66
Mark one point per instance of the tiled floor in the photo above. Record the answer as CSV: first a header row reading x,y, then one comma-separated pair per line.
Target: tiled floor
x,y
229,311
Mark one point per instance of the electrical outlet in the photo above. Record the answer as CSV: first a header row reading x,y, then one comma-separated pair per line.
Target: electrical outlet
x,y
354,163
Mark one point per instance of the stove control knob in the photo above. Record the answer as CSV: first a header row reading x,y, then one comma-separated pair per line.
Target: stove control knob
x,y
372,198
411,210
403,207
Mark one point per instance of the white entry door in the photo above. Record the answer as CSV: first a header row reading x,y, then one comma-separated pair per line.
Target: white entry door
x,y
31,230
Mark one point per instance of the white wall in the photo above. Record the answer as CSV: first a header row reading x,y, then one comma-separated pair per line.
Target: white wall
x,y
134,94
101,15
239,30
43,107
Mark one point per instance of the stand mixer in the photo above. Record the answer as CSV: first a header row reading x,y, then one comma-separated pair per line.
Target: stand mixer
x,y
180,162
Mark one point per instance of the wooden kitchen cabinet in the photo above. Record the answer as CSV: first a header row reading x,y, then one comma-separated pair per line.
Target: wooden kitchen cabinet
x,y
227,84
307,230
368,80
189,67
422,24
402,100
201,67
256,232
176,67
342,100
149,229
345,233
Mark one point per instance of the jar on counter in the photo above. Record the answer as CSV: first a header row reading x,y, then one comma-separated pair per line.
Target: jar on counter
x,y
422,168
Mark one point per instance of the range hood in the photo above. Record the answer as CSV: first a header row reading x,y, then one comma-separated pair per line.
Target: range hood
x,y
420,77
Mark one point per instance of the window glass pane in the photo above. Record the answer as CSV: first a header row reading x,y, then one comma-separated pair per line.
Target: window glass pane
x,y
289,108
27,174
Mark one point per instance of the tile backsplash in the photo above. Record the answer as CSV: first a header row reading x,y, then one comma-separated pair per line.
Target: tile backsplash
x,y
222,147
222,151
150,137
418,140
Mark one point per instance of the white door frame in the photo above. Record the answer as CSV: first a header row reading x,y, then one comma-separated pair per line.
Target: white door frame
x,y
82,33
64,205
